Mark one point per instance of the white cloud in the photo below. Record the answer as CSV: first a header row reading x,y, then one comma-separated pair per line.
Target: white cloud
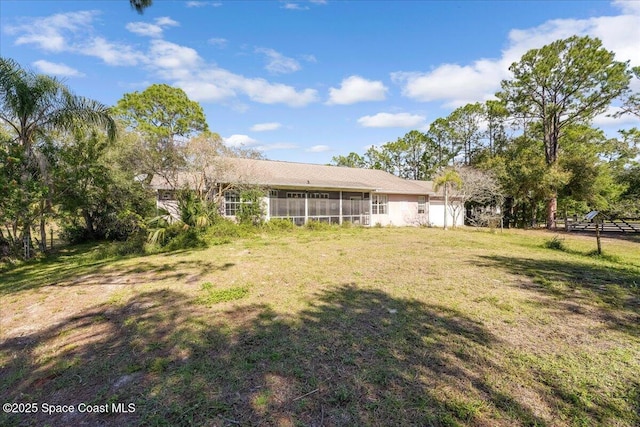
x,y
47,33
144,29
239,141
456,84
262,127
203,3
73,32
182,65
631,7
387,120
57,69
294,6
151,30
260,90
215,84
165,21
217,42
309,58
173,57
318,149
606,120
277,63
357,89
110,53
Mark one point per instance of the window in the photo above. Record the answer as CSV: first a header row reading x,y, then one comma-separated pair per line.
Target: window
x,y
295,195
422,204
231,203
273,193
379,204
318,195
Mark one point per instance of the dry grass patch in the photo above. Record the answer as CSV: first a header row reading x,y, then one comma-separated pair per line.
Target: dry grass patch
x,y
332,327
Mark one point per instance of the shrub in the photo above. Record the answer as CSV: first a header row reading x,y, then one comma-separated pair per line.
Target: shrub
x,y
251,210
279,224
318,225
556,243
187,239
75,234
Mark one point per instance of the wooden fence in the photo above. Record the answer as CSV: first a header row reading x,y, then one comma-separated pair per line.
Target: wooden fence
x,y
622,225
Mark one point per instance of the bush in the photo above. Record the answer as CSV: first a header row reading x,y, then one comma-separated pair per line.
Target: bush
x,y
251,210
75,234
279,224
187,239
556,243
226,228
318,226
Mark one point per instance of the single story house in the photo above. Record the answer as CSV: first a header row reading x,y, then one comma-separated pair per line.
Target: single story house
x,y
303,192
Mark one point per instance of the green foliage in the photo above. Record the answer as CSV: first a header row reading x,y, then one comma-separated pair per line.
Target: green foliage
x,y
134,245
34,108
563,83
140,5
186,239
449,178
196,211
556,243
279,224
318,226
215,296
251,210
351,160
95,191
162,114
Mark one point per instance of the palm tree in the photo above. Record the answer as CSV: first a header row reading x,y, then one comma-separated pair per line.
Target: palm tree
x,y
446,180
32,106
140,5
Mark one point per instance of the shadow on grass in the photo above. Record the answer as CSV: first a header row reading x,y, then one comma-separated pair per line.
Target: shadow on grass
x,y
354,357
614,291
71,268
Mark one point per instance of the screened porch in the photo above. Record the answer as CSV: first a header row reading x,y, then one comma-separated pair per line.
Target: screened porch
x,y
334,207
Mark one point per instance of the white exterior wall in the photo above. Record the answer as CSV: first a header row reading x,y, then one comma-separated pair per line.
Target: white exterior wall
x,y
436,214
402,210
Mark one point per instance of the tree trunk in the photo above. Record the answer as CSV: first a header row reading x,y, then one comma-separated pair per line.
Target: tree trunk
x,y
552,208
43,230
446,203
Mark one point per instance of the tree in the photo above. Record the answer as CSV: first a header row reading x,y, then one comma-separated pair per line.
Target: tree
x,y
465,127
632,102
496,116
441,133
587,158
32,106
449,179
97,197
351,160
140,5
165,117
566,82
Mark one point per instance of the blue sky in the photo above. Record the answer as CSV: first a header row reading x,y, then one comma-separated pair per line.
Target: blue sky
x,y
306,80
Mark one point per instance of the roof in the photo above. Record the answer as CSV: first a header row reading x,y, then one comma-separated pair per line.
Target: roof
x,y
273,173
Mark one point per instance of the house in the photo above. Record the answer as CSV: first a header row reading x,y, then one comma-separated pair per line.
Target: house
x,y
303,192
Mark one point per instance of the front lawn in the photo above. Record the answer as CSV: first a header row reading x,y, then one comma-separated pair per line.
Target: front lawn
x,y
339,327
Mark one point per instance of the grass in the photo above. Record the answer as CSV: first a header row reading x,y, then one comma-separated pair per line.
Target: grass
x,y
327,326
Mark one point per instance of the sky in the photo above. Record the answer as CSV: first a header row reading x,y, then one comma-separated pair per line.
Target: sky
x,y
307,80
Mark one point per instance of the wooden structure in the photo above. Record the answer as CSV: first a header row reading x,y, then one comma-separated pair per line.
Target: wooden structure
x,y
619,225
